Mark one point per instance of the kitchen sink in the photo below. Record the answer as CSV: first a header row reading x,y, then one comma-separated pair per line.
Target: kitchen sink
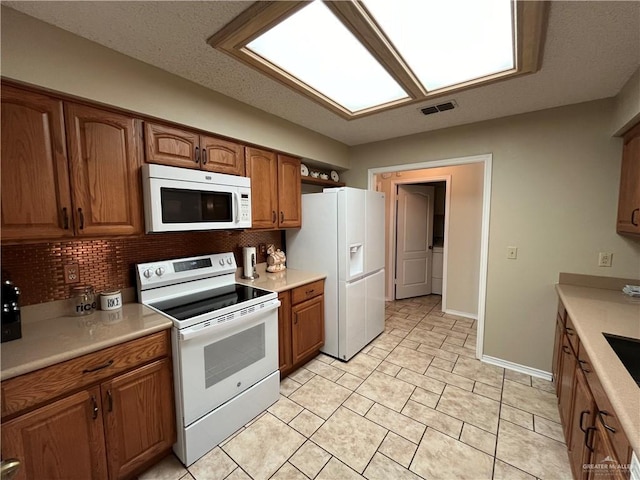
x,y
628,351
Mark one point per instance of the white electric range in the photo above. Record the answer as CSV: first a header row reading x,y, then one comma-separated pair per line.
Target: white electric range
x,y
225,346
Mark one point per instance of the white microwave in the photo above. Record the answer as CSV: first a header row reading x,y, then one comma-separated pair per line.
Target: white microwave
x,y
180,199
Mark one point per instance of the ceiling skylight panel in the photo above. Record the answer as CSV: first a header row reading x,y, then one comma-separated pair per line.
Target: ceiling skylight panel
x,y
446,42
313,46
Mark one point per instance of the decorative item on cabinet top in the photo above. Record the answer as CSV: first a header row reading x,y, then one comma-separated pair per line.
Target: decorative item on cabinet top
x,y
320,178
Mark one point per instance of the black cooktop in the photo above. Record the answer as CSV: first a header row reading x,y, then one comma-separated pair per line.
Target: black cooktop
x,y
195,304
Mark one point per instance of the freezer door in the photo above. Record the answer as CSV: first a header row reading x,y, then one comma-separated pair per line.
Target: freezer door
x,y
352,336
374,325
351,233
374,231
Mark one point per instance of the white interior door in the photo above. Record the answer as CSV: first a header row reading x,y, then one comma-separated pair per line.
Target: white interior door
x,y
414,240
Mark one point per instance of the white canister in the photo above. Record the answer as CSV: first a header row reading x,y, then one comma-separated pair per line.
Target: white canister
x,y
111,300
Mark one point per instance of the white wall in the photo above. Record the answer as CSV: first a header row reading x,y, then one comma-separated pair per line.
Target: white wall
x,y
554,196
40,54
463,239
627,112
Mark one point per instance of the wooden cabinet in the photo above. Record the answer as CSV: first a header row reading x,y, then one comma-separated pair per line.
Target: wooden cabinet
x,y
284,332
307,332
33,152
178,147
276,200
301,325
629,196
61,440
596,442
289,192
66,174
113,421
105,157
582,417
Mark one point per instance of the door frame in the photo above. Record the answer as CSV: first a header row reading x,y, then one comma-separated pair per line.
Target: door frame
x,y
393,228
487,160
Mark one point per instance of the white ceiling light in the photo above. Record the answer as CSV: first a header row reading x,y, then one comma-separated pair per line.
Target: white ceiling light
x,y
316,48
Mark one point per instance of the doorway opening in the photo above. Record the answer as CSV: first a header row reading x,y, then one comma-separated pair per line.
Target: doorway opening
x,y
465,229
421,223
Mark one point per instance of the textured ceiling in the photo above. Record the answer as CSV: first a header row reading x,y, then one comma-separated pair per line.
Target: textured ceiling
x,y
591,50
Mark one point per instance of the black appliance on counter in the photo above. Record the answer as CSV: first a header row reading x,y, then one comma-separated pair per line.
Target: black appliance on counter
x,y
11,326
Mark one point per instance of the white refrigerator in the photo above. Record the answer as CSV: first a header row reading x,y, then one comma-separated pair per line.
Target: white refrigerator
x,y
342,235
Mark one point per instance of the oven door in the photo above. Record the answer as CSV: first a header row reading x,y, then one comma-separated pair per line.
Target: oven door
x,y
219,361
176,205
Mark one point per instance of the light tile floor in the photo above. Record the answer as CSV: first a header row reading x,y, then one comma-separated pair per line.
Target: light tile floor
x,y
415,403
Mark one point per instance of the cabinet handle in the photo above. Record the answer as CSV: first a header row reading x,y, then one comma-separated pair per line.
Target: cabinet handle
x,y
602,414
81,216
282,216
566,350
633,217
100,367
65,218
586,438
273,216
197,155
584,362
569,329
110,401
582,414
309,292
95,406
204,156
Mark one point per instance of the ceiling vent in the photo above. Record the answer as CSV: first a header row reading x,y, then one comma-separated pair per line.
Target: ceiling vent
x,y
441,107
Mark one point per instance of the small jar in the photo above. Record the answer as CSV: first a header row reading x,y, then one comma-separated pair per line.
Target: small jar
x,y
111,300
83,300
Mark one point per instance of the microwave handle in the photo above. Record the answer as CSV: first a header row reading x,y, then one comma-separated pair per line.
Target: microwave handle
x,y
236,206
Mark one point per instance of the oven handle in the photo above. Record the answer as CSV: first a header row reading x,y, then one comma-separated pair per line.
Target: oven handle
x,y
196,331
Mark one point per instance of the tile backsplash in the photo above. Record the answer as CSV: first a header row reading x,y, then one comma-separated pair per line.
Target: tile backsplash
x,y
38,269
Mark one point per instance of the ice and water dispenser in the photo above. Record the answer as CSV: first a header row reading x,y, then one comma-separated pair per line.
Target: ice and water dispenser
x,y
356,259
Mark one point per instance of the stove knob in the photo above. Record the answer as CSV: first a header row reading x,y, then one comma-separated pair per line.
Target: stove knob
x,y
222,262
148,273
229,261
160,271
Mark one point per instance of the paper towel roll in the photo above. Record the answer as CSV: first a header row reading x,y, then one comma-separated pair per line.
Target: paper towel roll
x,y
249,257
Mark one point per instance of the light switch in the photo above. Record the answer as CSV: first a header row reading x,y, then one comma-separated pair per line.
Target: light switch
x,y
512,253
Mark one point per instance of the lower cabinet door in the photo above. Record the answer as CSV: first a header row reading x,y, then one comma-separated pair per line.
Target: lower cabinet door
x,y
63,440
604,462
139,418
307,331
583,417
284,333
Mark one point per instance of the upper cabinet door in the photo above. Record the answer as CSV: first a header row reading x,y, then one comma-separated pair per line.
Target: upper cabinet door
x,y
289,192
262,168
35,181
105,157
629,199
171,146
221,156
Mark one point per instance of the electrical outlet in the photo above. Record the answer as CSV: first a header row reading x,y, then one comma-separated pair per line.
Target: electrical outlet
x,y
262,249
512,253
71,273
604,259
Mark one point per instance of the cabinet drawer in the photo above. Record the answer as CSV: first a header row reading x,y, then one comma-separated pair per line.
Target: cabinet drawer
x,y
606,415
571,334
29,390
307,291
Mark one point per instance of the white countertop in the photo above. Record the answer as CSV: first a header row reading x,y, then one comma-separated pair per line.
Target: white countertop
x,y
47,341
594,311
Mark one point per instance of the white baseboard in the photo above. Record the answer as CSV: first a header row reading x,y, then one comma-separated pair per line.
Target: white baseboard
x,y
534,372
472,316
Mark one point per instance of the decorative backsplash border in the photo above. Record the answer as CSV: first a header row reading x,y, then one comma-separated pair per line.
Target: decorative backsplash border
x,y
108,264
